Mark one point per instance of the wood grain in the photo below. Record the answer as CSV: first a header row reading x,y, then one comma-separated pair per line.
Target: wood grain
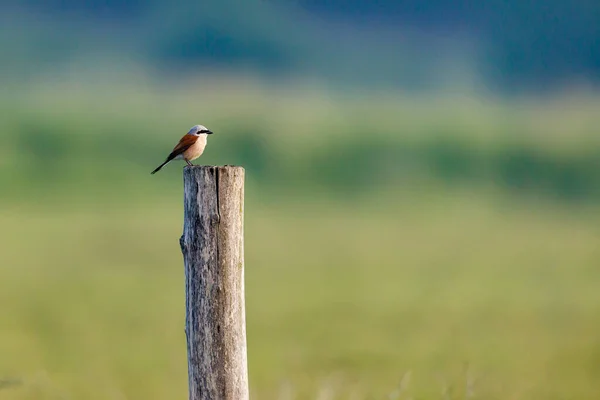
x,y
213,251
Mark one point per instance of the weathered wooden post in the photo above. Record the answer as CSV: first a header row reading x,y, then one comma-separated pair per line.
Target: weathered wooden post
x,y
213,253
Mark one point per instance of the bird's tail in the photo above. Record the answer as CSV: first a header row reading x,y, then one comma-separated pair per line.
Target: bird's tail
x,y
159,167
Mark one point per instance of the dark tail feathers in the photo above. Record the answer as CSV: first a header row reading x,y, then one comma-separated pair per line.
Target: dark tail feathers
x,y
159,167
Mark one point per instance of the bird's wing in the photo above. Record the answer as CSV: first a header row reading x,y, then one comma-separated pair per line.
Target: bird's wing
x,y
184,144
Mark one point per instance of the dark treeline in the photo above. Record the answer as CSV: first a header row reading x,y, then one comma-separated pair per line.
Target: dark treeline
x,y
530,41
525,43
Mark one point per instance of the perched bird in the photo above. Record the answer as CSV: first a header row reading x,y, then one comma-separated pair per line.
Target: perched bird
x,y
189,147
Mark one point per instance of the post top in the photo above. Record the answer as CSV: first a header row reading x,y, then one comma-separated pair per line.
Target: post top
x,y
211,166
220,168
194,172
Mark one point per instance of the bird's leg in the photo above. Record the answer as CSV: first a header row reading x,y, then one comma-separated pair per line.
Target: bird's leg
x,y
189,163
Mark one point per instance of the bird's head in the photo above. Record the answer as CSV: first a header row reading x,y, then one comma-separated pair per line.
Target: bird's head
x,y
198,130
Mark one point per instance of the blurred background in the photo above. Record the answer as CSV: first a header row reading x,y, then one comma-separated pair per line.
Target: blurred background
x,y
422,194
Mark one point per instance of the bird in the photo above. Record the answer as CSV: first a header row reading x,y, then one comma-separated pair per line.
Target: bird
x,y
190,146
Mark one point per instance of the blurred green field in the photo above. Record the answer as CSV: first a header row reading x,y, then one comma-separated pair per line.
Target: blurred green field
x,y
345,298
373,271
299,137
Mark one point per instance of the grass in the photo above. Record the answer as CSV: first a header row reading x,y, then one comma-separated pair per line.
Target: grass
x,y
339,298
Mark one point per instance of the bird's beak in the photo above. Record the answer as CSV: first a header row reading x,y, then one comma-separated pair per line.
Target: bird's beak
x,y
209,133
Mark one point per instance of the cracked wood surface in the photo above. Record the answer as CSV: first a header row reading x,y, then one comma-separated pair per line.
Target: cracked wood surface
x,y
213,251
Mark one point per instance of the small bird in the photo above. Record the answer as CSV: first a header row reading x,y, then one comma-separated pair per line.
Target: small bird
x,y
190,147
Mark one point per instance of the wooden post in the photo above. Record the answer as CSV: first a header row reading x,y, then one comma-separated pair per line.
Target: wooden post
x,y
213,253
